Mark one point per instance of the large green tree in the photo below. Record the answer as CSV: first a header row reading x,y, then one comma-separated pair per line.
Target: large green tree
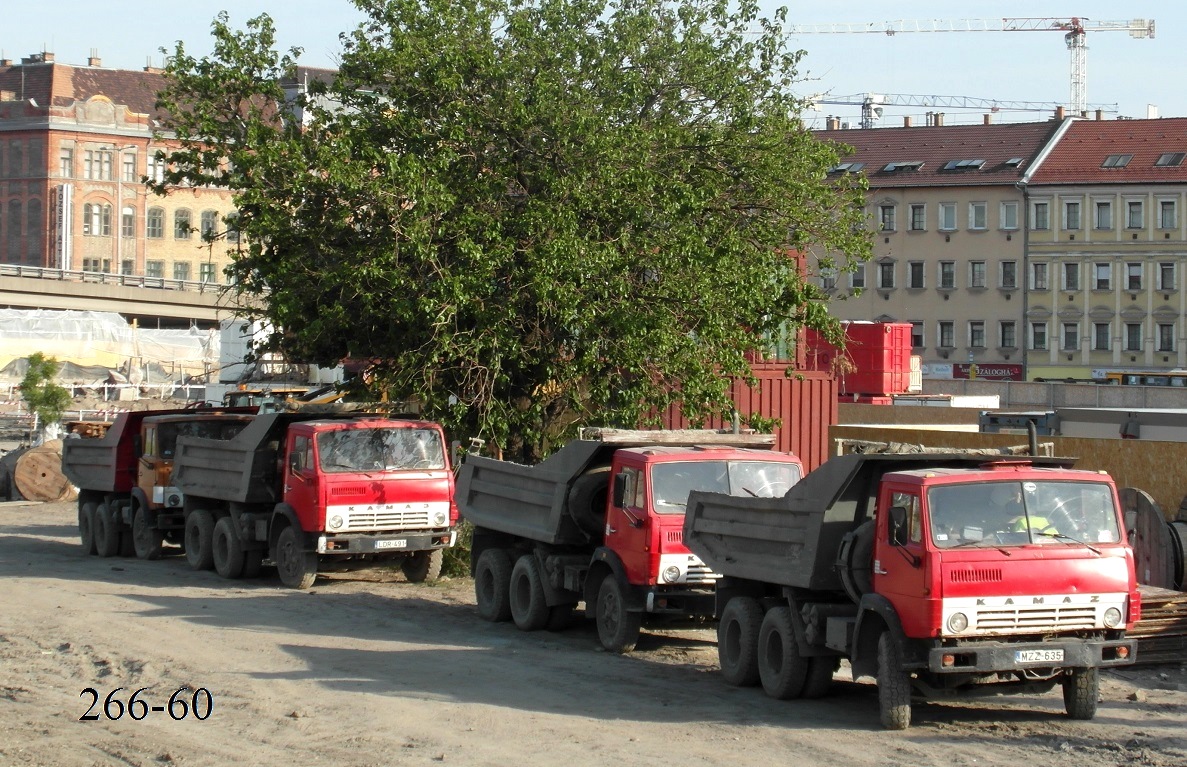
x,y
533,213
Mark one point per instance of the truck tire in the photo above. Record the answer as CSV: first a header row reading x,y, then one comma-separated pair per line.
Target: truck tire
x,y
199,535
820,676
529,608
423,566
86,526
107,532
147,540
492,585
781,668
226,549
1081,691
894,685
297,568
618,627
737,641
587,501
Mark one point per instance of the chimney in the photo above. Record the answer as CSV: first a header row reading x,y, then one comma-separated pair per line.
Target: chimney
x,y
907,121
148,67
987,119
939,118
47,57
832,123
94,60
1059,113
1100,114
5,62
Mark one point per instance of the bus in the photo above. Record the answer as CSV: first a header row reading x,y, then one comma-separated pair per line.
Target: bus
x,y
1174,378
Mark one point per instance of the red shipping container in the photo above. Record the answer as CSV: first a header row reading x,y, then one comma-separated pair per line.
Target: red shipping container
x,y
876,360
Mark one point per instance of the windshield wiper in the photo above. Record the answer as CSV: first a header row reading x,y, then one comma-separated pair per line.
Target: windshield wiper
x,y
1062,537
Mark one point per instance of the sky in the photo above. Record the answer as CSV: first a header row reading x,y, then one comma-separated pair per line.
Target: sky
x,y
1129,77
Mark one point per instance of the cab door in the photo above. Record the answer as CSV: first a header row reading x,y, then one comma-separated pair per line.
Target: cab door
x,y
900,571
627,530
301,486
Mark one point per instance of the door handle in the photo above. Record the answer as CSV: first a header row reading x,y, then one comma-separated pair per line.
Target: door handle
x,y
878,569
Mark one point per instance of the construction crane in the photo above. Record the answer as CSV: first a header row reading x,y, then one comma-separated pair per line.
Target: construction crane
x,y
1074,29
872,104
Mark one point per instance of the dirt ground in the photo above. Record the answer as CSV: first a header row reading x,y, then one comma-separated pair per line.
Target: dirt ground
x,y
366,669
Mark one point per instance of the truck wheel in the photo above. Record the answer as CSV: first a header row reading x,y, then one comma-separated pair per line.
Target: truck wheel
x,y
297,568
820,676
86,526
199,532
226,549
1081,690
107,532
423,566
737,641
587,500
618,628
894,686
529,608
147,540
781,669
492,585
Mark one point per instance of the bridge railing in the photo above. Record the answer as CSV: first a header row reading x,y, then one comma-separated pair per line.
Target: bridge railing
x,y
106,278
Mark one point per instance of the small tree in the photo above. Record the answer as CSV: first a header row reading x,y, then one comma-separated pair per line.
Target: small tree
x,y
45,399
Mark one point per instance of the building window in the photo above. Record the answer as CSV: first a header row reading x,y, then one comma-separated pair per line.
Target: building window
x,y
154,227
1166,338
1133,276
181,270
1166,214
947,275
96,165
828,275
1133,215
181,224
1104,215
886,276
1071,336
154,268
1116,161
156,168
947,216
128,172
1040,216
1071,215
1133,337
857,278
16,159
886,217
1166,276
1007,334
1170,159
1009,215
915,274
1009,274
128,267
1100,336
128,222
96,265
96,220
1103,277
66,162
977,274
917,340
976,334
918,217
13,240
1038,335
206,273
978,216
1071,276
210,228
947,331
1038,276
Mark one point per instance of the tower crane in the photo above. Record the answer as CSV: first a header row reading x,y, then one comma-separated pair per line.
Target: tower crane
x,y
1074,28
872,104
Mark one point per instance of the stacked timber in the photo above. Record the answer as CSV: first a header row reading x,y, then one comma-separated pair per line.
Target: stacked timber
x,y
1162,632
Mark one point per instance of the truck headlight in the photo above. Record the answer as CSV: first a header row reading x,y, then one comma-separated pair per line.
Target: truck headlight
x,y
335,522
958,622
671,574
439,519
1112,617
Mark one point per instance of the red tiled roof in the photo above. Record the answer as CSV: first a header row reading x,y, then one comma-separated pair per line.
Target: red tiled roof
x,y
60,85
1080,153
938,145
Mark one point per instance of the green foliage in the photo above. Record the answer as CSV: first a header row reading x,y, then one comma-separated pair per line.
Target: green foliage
x,y
44,397
537,214
457,558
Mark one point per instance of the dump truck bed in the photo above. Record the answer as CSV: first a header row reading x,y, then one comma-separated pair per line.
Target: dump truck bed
x,y
531,501
794,540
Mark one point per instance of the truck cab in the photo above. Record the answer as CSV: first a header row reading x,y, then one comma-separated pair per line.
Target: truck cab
x,y
158,442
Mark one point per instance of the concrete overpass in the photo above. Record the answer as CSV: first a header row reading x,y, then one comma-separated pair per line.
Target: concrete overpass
x,y
151,301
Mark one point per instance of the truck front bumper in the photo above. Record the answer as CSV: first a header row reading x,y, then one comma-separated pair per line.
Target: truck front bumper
x,y
990,657
681,602
384,543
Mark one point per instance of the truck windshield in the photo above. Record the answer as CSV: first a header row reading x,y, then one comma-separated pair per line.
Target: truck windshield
x,y
672,482
379,449
1018,513
212,428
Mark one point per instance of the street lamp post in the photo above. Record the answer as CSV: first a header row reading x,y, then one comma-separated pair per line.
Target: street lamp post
x,y
118,225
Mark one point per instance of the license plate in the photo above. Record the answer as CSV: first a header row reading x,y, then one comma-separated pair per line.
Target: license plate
x,y
1038,656
391,544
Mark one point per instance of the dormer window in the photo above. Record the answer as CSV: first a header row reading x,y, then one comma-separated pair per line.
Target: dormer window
x,y
897,166
963,165
1170,159
1116,161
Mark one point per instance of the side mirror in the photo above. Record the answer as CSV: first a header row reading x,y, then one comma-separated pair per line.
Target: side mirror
x,y
620,483
898,525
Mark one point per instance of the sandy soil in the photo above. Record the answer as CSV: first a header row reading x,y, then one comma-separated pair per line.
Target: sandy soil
x,y
366,669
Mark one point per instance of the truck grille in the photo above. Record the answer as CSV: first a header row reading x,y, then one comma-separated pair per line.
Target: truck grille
x,y
389,520
420,515
982,575
701,575
1062,618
